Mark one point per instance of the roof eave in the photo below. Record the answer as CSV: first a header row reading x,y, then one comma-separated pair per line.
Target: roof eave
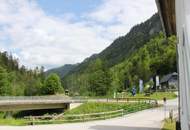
x,y
166,10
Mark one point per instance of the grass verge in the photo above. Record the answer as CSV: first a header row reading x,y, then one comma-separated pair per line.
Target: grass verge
x,y
156,95
94,107
169,125
87,108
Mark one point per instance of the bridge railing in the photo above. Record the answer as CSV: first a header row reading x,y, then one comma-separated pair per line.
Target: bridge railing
x,y
34,98
128,99
73,99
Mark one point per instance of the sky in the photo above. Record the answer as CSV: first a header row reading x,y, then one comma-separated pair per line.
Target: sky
x,y
52,33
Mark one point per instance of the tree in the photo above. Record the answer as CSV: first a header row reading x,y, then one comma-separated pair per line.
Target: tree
x,y
52,85
5,88
100,80
33,87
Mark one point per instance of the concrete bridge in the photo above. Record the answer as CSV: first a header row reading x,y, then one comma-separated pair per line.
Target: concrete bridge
x,y
18,103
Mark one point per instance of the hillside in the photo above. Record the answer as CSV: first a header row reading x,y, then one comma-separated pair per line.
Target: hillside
x,y
156,57
122,47
61,71
18,80
79,78
140,54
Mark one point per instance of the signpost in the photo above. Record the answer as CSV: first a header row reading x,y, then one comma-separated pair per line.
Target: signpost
x,y
141,86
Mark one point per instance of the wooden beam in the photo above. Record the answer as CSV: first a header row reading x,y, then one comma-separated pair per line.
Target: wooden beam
x,y
166,9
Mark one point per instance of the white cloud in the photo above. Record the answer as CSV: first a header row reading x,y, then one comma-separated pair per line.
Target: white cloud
x,y
123,14
40,39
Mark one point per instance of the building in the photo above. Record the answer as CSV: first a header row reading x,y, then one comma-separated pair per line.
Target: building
x,y
175,18
169,81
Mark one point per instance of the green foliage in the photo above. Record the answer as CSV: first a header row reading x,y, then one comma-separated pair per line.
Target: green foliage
x,y
95,81
157,57
4,83
52,85
19,81
33,87
99,80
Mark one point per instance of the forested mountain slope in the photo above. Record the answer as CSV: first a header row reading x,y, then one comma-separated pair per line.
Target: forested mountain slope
x,y
122,47
156,57
61,71
17,80
140,54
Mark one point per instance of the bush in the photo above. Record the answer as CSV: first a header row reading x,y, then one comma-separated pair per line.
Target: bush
x,y
52,85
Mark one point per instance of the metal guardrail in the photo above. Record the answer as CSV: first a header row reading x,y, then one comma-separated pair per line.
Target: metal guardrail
x,y
14,98
33,98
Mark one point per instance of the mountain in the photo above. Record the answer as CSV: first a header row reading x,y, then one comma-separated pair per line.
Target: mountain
x,y
155,57
61,71
124,46
103,73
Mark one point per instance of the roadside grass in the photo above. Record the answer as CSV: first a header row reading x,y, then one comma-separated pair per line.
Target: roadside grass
x,y
86,108
94,107
11,121
86,112
169,125
156,95
161,95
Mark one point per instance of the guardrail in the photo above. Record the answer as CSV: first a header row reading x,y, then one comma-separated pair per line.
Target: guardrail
x,y
76,117
73,99
86,117
129,99
147,100
34,98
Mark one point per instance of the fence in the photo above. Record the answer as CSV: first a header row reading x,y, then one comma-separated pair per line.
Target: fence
x,y
75,118
87,117
129,99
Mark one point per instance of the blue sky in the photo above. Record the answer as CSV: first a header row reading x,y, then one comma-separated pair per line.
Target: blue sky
x,y
52,33
59,7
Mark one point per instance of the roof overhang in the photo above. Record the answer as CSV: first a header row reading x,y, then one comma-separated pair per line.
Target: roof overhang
x,y
166,9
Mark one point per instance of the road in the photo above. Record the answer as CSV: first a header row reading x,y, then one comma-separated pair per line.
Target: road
x,y
144,120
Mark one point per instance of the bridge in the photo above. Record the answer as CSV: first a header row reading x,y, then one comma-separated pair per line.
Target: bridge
x,y
17,103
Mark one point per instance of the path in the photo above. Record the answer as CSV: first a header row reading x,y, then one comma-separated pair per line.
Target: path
x,y
144,120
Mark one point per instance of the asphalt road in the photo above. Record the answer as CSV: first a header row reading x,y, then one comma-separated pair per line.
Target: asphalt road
x,y
144,120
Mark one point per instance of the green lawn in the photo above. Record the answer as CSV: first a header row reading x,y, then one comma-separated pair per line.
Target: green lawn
x,y
169,125
156,95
